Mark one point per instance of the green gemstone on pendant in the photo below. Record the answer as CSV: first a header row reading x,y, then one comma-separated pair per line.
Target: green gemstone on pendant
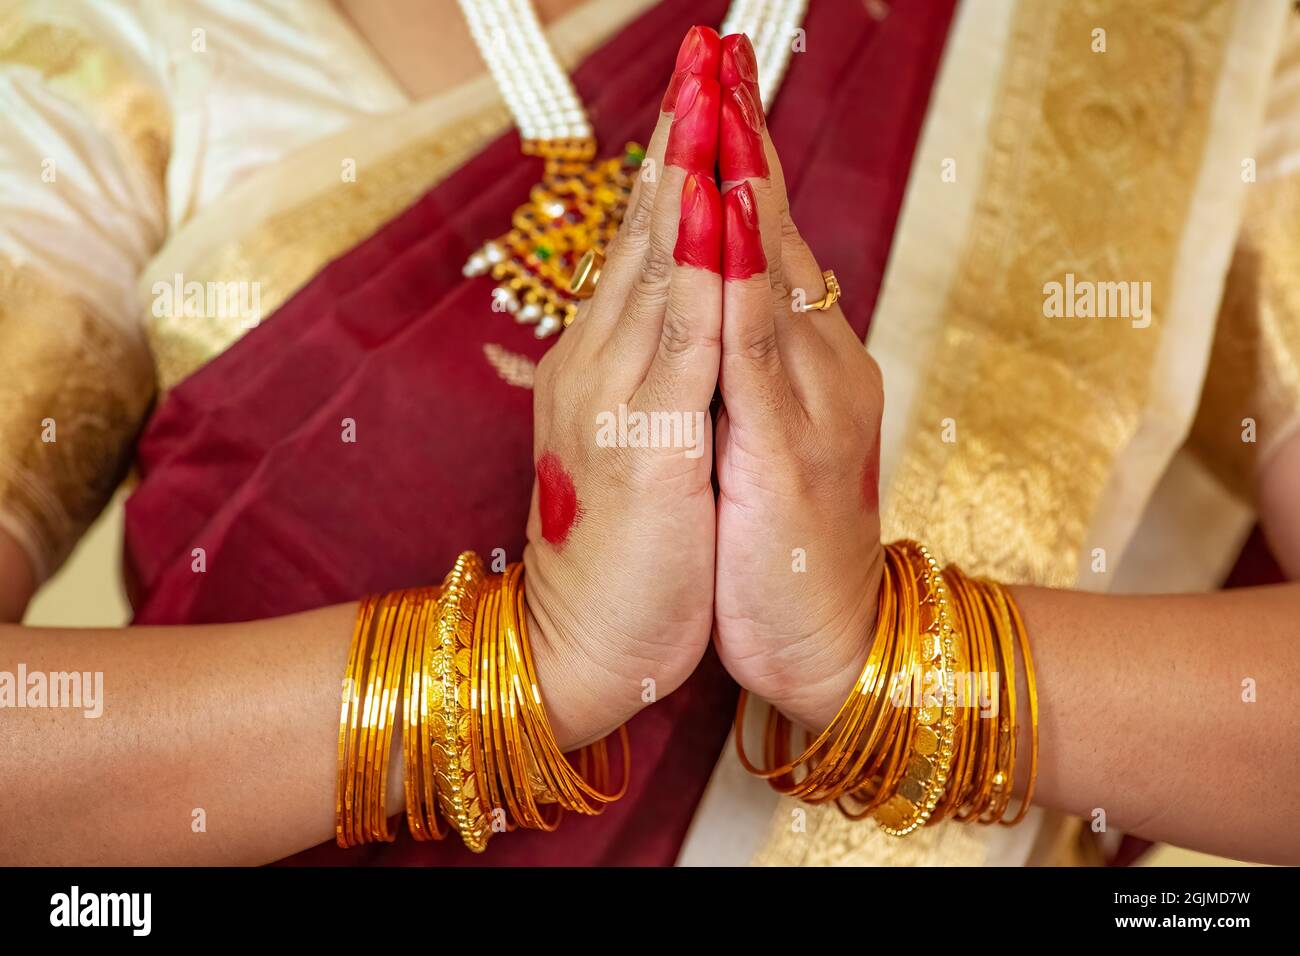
x,y
542,252
635,155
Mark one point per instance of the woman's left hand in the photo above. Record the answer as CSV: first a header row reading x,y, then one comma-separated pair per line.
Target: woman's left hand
x,y
798,552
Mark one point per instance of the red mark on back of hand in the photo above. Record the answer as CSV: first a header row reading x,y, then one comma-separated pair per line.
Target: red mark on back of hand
x,y
557,501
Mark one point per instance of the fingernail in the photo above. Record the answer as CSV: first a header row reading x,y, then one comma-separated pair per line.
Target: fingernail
x,y
740,129
693,138
697,56
742,245
699,230
738,64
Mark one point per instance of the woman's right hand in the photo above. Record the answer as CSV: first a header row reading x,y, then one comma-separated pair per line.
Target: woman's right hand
x,y
620,548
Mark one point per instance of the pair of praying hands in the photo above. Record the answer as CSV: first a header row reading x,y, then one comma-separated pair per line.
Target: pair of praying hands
x,y
634,561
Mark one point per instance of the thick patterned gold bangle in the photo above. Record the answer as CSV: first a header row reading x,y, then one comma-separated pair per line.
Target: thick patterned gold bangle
x,y
926,775
448,665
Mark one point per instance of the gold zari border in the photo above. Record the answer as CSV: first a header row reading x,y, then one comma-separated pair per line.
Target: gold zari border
x,y
1092,166
286,250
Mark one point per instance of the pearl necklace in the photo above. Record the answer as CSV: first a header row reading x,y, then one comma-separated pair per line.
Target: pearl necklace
x,y
772,26
579,202
538,92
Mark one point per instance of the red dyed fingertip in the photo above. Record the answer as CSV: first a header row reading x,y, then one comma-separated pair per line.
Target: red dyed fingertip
x,y
699,230
741,154
737,62
699,55
693,138
742,252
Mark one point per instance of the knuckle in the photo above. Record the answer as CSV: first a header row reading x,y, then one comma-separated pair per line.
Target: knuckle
x,y
560,385
637,221
789,231
873,382
781,290
758,345
656,272
681,336
544,374
677,340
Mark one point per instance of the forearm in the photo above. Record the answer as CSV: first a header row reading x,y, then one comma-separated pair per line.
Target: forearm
x,y
234,725
1141,714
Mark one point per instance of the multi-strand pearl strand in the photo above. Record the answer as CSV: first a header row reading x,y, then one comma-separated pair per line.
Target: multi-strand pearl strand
x,y
770,26
538,91
546,107
535,87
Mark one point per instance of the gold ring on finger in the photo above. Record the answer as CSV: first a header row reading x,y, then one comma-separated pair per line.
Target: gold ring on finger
x,y
829,299
582,285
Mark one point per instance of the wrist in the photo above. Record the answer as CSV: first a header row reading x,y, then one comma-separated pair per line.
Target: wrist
x,y
573,695
818,699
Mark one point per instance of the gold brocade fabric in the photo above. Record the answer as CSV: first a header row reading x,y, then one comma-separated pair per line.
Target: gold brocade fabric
x,y
74,387
828,838
283,252
93,78
73,392
1254,376
1091,165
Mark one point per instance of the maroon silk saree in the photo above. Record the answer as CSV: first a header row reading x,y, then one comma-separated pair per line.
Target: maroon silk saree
x,y
244,458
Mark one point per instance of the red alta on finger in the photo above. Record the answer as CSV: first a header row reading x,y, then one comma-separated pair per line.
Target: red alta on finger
x,y
699,230
693,138
737,63
742,250
697,56
740,130
741,123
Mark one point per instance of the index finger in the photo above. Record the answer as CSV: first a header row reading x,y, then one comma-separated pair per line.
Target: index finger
x,y
697,57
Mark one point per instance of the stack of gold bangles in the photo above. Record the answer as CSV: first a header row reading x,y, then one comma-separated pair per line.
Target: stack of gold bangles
x,y
477,748
929,730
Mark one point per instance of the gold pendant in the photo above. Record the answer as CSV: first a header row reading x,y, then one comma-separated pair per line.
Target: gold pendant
x,y
576,207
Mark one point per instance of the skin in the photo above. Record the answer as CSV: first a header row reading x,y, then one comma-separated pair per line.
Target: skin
x,y
627,598
425,45
802,403
1153,731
